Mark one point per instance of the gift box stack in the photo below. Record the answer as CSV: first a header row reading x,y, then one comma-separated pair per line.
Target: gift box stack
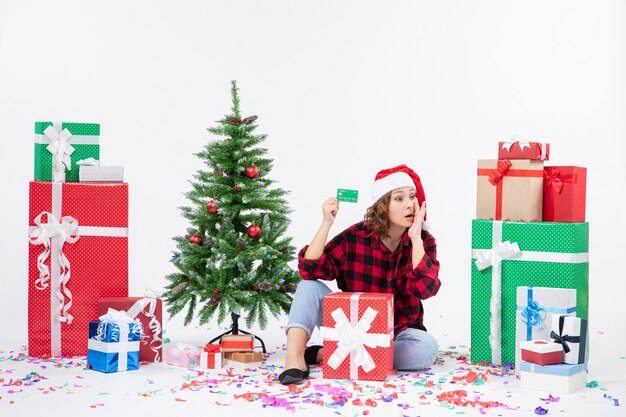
x,y
239,351
78,252
194,357
235,350
529,232
357,336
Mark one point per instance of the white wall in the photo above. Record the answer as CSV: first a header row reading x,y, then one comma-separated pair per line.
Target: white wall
x,y
343,89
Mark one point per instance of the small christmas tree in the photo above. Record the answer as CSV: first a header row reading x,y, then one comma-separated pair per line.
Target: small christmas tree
x,y
234,258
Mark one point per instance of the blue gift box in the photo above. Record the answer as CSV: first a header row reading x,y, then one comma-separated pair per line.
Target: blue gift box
x,y
111,349
561,369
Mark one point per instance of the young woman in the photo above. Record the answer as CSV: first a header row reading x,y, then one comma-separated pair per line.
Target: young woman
x,y
388,252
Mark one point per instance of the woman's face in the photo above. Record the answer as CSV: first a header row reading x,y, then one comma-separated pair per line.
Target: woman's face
x,y
402,206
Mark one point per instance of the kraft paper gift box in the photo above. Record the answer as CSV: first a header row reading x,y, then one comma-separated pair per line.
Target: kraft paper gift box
x,y
114,343
539,151
564,194
509,190
243,359
561,378
507,255
358,336
541,352
58,146
149,311
237,343
79,251
571,334
182,354
536,306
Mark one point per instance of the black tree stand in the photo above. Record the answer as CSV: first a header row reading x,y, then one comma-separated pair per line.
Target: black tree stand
x,y
234,329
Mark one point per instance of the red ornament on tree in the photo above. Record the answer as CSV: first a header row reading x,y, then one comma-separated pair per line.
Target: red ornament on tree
x,y
211,207
252,171
195,240
234,121
237,189
217,291
254,231
255,288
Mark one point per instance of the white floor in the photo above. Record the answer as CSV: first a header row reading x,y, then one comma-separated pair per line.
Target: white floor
x,y
63,387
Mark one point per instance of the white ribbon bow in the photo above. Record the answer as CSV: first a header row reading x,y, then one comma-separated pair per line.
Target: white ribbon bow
x,y
61,151
502,251
90,162
353,339
65,230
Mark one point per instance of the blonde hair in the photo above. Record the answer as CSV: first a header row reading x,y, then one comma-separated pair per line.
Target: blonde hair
x,y
377,216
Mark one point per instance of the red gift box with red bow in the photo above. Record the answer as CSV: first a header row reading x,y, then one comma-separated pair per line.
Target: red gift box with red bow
x,y
564,194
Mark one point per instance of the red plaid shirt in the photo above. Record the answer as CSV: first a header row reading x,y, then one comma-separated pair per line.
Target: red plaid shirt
x,y
360,262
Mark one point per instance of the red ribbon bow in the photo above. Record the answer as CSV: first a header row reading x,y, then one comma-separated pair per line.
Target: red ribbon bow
x,y
211,348
553,180
496,175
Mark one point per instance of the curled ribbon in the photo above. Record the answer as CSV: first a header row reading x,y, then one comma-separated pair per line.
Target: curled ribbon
x,y
63,230
353,339
533,315
155,326
501,169
60,149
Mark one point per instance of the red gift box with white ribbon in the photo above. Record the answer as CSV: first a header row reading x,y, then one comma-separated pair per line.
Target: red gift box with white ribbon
x,y
358,336
78,254
521,149
149,311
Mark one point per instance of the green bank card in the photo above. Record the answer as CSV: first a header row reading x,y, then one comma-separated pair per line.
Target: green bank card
x,y
349,196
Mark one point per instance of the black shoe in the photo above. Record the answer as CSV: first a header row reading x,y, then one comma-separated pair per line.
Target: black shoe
x,y
310,354
293,376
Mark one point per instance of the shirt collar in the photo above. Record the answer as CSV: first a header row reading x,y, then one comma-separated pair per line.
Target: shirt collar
x,y
377,243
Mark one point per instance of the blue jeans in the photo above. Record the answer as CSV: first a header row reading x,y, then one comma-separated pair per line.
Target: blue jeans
x,y
412,349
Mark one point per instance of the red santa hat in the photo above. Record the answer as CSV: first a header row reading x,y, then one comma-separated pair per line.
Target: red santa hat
x,y
401,176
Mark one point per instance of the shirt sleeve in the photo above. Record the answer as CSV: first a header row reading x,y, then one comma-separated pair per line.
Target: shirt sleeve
x,y
423,280
329,266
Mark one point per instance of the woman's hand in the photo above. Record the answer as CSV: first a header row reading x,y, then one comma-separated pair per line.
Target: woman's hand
x,y
415,231
330,207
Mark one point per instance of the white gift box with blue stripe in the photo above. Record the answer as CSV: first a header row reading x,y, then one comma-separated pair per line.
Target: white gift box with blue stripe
x,y
562,378
535,308
114,343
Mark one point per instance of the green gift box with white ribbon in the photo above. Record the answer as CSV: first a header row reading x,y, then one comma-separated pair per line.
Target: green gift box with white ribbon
x,y
58,146
507,255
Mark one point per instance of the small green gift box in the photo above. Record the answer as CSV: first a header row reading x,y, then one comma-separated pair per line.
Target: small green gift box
x,y
507,255
58,146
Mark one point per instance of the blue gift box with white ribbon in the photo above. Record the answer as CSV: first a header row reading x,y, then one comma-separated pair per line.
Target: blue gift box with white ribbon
x,y
114,343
